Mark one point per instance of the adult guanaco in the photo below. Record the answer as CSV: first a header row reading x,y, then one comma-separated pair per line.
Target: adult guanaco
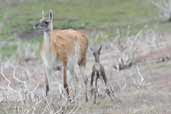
x,y
68,47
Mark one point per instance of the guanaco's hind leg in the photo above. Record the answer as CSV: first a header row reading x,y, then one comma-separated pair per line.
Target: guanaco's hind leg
x,y
65,79
103,74
85,79
73,79
82,66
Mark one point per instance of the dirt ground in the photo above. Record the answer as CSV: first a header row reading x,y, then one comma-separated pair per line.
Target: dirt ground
x,y
144,88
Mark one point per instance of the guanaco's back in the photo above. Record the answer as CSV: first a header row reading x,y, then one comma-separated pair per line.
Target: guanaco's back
x,y
63,44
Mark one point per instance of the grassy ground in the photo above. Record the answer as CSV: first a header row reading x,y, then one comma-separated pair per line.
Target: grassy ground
x,y
75,14
17,18
91,15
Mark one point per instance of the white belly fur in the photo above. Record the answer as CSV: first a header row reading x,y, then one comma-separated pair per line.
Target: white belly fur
x,y
50,61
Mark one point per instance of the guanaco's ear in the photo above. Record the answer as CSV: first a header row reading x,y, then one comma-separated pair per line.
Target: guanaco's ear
x,y
92,50
43,14
100,48
50,14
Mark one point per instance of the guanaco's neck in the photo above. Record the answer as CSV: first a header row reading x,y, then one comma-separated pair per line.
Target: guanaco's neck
x,y
97,59
47,36
46,39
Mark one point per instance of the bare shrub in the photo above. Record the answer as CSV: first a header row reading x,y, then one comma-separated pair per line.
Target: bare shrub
x,y
19,93
164,7
144,41
126,51
25,52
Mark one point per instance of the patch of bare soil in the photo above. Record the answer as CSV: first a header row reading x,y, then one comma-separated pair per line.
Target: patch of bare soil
x,y
29,35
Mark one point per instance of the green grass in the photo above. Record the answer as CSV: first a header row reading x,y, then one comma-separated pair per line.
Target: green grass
x,y
107,15
75,14
7,51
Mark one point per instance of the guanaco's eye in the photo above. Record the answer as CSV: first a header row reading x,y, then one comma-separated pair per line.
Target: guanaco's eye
x,y
46,22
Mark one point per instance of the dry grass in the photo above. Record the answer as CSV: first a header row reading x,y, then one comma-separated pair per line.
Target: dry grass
x,y
143,88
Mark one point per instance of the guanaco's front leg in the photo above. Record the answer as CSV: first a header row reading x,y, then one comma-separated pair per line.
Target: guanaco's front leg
x,y
96,89
92,80
46,84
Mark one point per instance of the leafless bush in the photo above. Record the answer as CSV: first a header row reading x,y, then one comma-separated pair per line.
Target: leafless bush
x,y
164,7
19,93
25,52
126,51
144,41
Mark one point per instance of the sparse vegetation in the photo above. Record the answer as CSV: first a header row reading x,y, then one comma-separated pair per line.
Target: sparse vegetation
x,y
136,57
75,14
164,7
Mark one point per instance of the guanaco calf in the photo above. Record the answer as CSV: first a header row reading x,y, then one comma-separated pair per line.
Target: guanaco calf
x,y
68,47
98,71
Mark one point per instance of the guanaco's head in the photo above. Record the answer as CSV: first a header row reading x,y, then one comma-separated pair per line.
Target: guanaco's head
x,y
45,23
96,54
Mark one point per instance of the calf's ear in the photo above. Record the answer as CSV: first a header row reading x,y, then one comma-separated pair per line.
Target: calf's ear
x,y
100,48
